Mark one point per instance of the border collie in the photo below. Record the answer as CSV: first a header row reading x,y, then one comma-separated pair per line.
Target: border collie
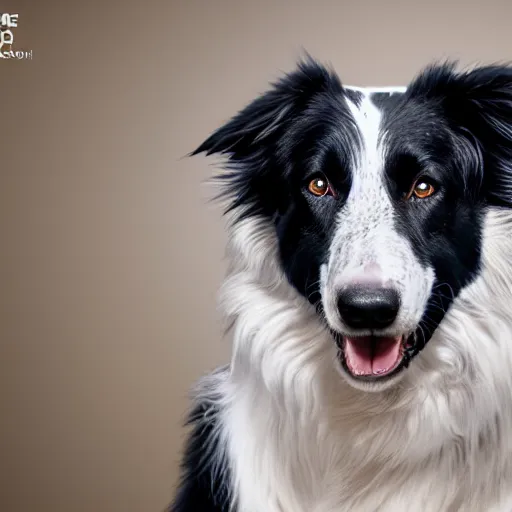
x,y
369,294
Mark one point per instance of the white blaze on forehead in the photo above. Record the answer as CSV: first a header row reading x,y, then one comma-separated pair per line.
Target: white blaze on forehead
x,y
366,234
368,121
367,215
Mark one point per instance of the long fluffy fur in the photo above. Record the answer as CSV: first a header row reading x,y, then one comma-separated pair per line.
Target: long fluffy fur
x,y
298,441
288,436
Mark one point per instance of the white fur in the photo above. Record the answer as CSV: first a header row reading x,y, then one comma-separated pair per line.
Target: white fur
x,y
366,236
299,438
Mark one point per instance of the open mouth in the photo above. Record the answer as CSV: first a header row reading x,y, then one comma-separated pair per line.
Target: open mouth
x,y
372,357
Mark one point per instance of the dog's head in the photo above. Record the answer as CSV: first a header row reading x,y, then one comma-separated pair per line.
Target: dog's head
x,y
377,198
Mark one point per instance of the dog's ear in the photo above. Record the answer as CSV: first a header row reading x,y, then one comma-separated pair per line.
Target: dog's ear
x,y
478,105
262,121
254,140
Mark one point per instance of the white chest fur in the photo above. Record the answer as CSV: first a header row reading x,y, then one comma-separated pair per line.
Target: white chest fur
x,y
299,439
282,463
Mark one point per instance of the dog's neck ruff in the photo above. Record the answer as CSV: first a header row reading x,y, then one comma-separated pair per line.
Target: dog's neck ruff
x,y
298,438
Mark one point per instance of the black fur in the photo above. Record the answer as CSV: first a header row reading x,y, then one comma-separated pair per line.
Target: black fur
x,y
274,146
457,128
453,127
204,484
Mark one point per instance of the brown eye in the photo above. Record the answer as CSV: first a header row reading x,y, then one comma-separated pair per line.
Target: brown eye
x,y
319,186
421,189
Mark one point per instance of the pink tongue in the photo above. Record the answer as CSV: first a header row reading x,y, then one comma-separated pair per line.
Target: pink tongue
x,y
369,355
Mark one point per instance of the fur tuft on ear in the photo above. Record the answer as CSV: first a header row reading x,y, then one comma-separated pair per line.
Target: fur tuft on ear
x,y
257,123
478,104
253,140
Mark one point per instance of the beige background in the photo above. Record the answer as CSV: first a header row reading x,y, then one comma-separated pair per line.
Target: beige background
x,y
110,256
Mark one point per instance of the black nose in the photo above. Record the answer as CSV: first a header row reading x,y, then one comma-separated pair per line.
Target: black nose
x,y
368,308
